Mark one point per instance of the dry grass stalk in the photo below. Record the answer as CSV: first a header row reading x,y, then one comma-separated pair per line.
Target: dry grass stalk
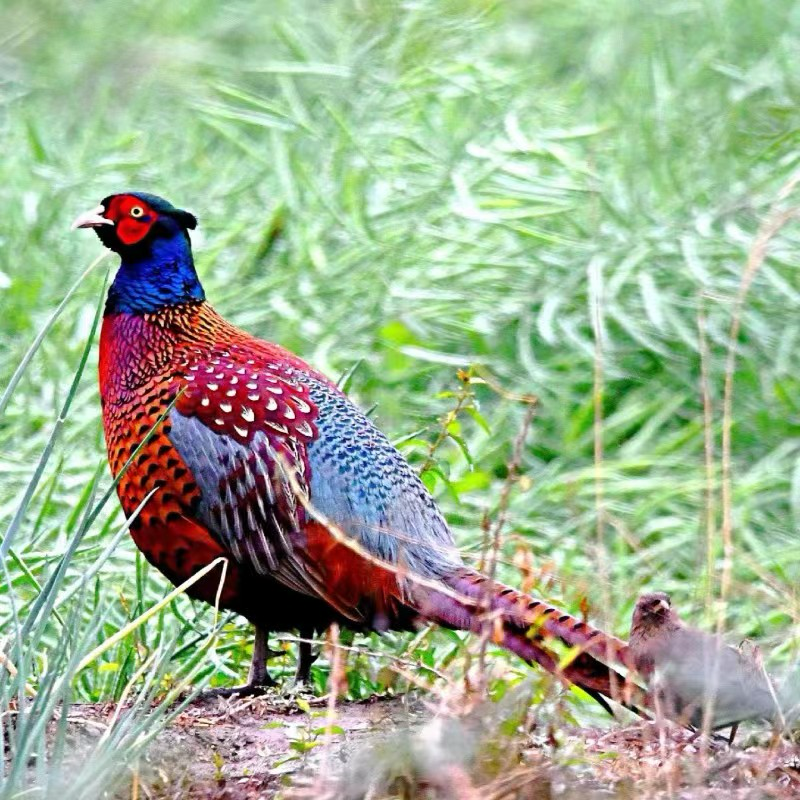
x,y
495,531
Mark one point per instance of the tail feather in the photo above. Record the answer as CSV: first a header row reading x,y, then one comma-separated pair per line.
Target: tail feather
x,y
592,676
522,624
528,613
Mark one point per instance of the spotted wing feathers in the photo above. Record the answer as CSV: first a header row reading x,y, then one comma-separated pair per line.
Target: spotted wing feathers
x,y
241,399
242,428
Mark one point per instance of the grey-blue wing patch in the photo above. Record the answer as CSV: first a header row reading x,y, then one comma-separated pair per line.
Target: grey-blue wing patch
x,y
246,500
362,483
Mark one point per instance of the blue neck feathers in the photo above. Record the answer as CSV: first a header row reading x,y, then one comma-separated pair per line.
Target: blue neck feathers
x,y
153,276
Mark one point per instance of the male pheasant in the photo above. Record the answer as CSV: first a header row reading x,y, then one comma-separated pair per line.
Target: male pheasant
x,y
257,457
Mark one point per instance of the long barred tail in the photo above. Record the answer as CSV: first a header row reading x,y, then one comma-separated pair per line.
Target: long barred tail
x,y
523,624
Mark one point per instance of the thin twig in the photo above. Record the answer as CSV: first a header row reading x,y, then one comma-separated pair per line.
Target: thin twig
x,y
710,479
497,388
496,530
595,276
6,662
769,229
335,683
775,220
708,452
464,395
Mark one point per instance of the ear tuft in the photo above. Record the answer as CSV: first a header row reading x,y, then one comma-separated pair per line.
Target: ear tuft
x,y
189,221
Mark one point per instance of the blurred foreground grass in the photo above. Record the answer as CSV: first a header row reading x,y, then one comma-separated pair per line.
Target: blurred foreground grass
x,y
563,192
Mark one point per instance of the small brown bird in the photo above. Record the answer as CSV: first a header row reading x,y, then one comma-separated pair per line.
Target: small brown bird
x,y
690,670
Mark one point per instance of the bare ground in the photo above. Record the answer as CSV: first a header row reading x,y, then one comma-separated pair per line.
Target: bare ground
x,y
400,747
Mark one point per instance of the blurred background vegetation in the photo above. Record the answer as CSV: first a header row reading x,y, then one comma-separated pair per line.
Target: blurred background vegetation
x,y
563,194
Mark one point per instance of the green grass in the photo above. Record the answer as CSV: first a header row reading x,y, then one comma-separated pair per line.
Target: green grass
x,y
417,187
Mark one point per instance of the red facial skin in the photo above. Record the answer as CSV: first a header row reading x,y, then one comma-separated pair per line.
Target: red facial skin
x,y
131,216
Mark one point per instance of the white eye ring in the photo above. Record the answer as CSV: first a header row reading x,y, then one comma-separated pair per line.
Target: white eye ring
x,y
137,211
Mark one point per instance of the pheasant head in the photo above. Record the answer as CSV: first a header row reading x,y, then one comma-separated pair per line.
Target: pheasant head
x,y
151,237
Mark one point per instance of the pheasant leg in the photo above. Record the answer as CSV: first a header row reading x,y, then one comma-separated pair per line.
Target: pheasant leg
x,y
258,678
305,657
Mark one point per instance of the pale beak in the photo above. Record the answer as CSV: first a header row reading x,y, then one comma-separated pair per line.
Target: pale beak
x,y
91,219
663,604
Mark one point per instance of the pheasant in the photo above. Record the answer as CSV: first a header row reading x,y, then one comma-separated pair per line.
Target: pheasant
x,y
251,454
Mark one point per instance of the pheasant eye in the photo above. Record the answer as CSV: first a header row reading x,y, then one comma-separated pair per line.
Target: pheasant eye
x,y
137,211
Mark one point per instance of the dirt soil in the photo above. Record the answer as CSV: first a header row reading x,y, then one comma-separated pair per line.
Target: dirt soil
x,y
399,748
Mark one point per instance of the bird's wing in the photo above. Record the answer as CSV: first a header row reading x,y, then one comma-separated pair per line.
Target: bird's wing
x,y
746,688
242,429
274,451
702,667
